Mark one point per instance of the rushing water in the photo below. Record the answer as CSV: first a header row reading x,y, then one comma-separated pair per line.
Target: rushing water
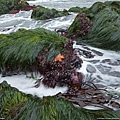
x,y
105,66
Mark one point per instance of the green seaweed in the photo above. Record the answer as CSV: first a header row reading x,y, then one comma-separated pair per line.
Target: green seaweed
x,y
7,6
105,32
42,13
20,49
15,105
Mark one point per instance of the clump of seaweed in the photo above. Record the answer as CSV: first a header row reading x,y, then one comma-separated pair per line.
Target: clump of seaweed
x,y
62,70
79,28
42,13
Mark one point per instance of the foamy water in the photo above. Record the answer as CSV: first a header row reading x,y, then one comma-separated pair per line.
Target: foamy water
x,y
27,85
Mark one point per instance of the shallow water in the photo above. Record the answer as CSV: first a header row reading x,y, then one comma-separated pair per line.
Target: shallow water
x,y
105,66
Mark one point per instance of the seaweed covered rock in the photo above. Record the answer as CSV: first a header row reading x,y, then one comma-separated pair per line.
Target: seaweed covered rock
x,y
15,105
14,6
62,70
7,6
18,50
105,29
105,32
80,27
83,10
26,7
96,7
42,13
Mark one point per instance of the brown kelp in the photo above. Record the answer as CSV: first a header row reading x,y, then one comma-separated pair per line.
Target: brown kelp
x,y
80,27
15,105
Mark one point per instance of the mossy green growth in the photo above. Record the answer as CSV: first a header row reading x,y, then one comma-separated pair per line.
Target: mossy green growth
x,y
79,27
7,5
20,49
15,105
96,7
75,27
42,13
83,10
105,32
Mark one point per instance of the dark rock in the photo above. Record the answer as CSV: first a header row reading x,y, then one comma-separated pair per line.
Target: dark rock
x,y
26,7
97,52
114,73
94,61
14,11
110,62
90,69
80,27
103,69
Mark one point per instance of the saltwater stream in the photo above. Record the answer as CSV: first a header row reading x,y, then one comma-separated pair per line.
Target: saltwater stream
x,y
105,66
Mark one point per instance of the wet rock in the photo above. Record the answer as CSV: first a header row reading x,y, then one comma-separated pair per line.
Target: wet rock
x,y
99,77
114,73
94,61
26,7
115,104
103,69
85,47
80,27
90,69
85,53
97,52
111,62
13,11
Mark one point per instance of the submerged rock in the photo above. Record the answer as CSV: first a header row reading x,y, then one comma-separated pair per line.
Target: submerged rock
x,y
97,52
90,69
103,69
114,73
111,62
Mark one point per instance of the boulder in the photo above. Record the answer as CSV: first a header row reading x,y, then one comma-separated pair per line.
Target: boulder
x,y
80,27
106,26
42,13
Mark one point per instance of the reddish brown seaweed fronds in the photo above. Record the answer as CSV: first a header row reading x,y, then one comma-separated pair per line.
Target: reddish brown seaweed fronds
x,y
62,70
79,28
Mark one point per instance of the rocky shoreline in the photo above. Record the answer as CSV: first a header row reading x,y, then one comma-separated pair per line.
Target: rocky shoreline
x,y
53,55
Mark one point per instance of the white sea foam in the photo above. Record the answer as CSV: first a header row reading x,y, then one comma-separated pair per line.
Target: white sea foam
x,y
26,85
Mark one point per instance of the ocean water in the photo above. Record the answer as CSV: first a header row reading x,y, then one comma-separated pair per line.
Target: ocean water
x,y
105,66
